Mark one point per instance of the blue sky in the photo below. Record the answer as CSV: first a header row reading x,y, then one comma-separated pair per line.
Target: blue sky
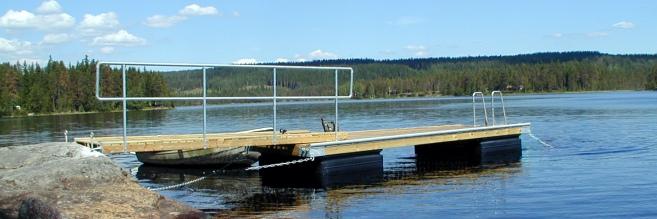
x,y
264,31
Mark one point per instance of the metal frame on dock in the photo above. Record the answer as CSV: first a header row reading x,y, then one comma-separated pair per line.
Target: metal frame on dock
x,y
124,98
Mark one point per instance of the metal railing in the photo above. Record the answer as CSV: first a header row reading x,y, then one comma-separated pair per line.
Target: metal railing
x,y
124,98
474,108
492,106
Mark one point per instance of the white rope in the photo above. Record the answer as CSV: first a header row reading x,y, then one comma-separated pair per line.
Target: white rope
x,y
247,169
179,185
529,132
280,164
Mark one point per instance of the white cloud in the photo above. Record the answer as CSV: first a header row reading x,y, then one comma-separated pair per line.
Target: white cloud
x,y
107,50
18,19
597,34
160,21
15,47
57,21
95,24
282,60
299,58
245,61
120,38
557,35
163,21
319,54
624,25
236,13
49,7
55,38
197,10
26,19
406,20
418,50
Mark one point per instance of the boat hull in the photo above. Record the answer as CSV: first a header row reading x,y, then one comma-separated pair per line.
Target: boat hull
x,y
213,156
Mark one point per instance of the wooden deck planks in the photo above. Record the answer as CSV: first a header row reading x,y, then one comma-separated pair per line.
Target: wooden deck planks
x,y
114,144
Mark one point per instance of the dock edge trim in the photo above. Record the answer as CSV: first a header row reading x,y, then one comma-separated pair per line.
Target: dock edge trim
x,y
317,149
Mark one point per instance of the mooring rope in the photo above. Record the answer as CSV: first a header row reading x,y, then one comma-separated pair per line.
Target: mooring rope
x,y
218,170
191,181
529,132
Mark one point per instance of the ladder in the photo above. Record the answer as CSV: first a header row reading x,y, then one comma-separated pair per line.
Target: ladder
x,y
480,96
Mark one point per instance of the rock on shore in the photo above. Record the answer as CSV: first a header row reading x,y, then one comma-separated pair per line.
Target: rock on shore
x,y
66,180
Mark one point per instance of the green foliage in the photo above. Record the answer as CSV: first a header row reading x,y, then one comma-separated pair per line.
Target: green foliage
x,y
29,88
651,80
60,88
540,72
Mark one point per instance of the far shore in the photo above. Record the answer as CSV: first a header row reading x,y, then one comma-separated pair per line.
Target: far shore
x,y
79,113
354,99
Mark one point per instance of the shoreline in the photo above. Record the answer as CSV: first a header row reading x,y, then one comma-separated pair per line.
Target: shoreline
x,y
408,97
86,112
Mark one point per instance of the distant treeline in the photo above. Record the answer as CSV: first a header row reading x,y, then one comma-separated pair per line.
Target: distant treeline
x,y
539,72
30,88
55,88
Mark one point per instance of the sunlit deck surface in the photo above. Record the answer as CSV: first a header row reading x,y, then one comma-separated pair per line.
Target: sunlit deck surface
x,y
305,143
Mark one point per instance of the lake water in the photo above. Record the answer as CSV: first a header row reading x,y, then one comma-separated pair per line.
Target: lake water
x,y
602,163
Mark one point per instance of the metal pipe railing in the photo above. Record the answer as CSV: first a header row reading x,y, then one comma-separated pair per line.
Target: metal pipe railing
x,y
275,112
474,108
205,109
492,105
124,98
335,129
125,110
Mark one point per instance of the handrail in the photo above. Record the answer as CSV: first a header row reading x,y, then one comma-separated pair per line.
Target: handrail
x,y
474,109
124,98
492,105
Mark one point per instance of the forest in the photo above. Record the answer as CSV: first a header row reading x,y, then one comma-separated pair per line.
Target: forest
x,y
57,87
27,89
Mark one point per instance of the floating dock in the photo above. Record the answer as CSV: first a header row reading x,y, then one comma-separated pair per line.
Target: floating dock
x,y
303,143
334,153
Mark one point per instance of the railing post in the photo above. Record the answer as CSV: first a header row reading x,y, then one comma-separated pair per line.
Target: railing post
x,y
336,128
125,111
98,80
274,106
474,111
492,106
205,109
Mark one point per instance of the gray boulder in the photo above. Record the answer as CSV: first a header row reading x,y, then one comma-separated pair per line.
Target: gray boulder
x,y
53,180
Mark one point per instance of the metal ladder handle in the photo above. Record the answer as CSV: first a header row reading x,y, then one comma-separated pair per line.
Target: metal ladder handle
x,y
492,105
474,108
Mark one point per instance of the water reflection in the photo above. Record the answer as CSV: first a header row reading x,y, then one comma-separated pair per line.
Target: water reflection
x,y
604,151
254,194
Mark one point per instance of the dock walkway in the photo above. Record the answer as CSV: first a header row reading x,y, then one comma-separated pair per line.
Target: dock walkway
x,y
304,143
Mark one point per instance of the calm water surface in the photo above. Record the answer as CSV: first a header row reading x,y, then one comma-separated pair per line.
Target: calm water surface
x,y
603,162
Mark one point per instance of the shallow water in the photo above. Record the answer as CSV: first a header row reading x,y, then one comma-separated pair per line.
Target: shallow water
x,y
602,163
